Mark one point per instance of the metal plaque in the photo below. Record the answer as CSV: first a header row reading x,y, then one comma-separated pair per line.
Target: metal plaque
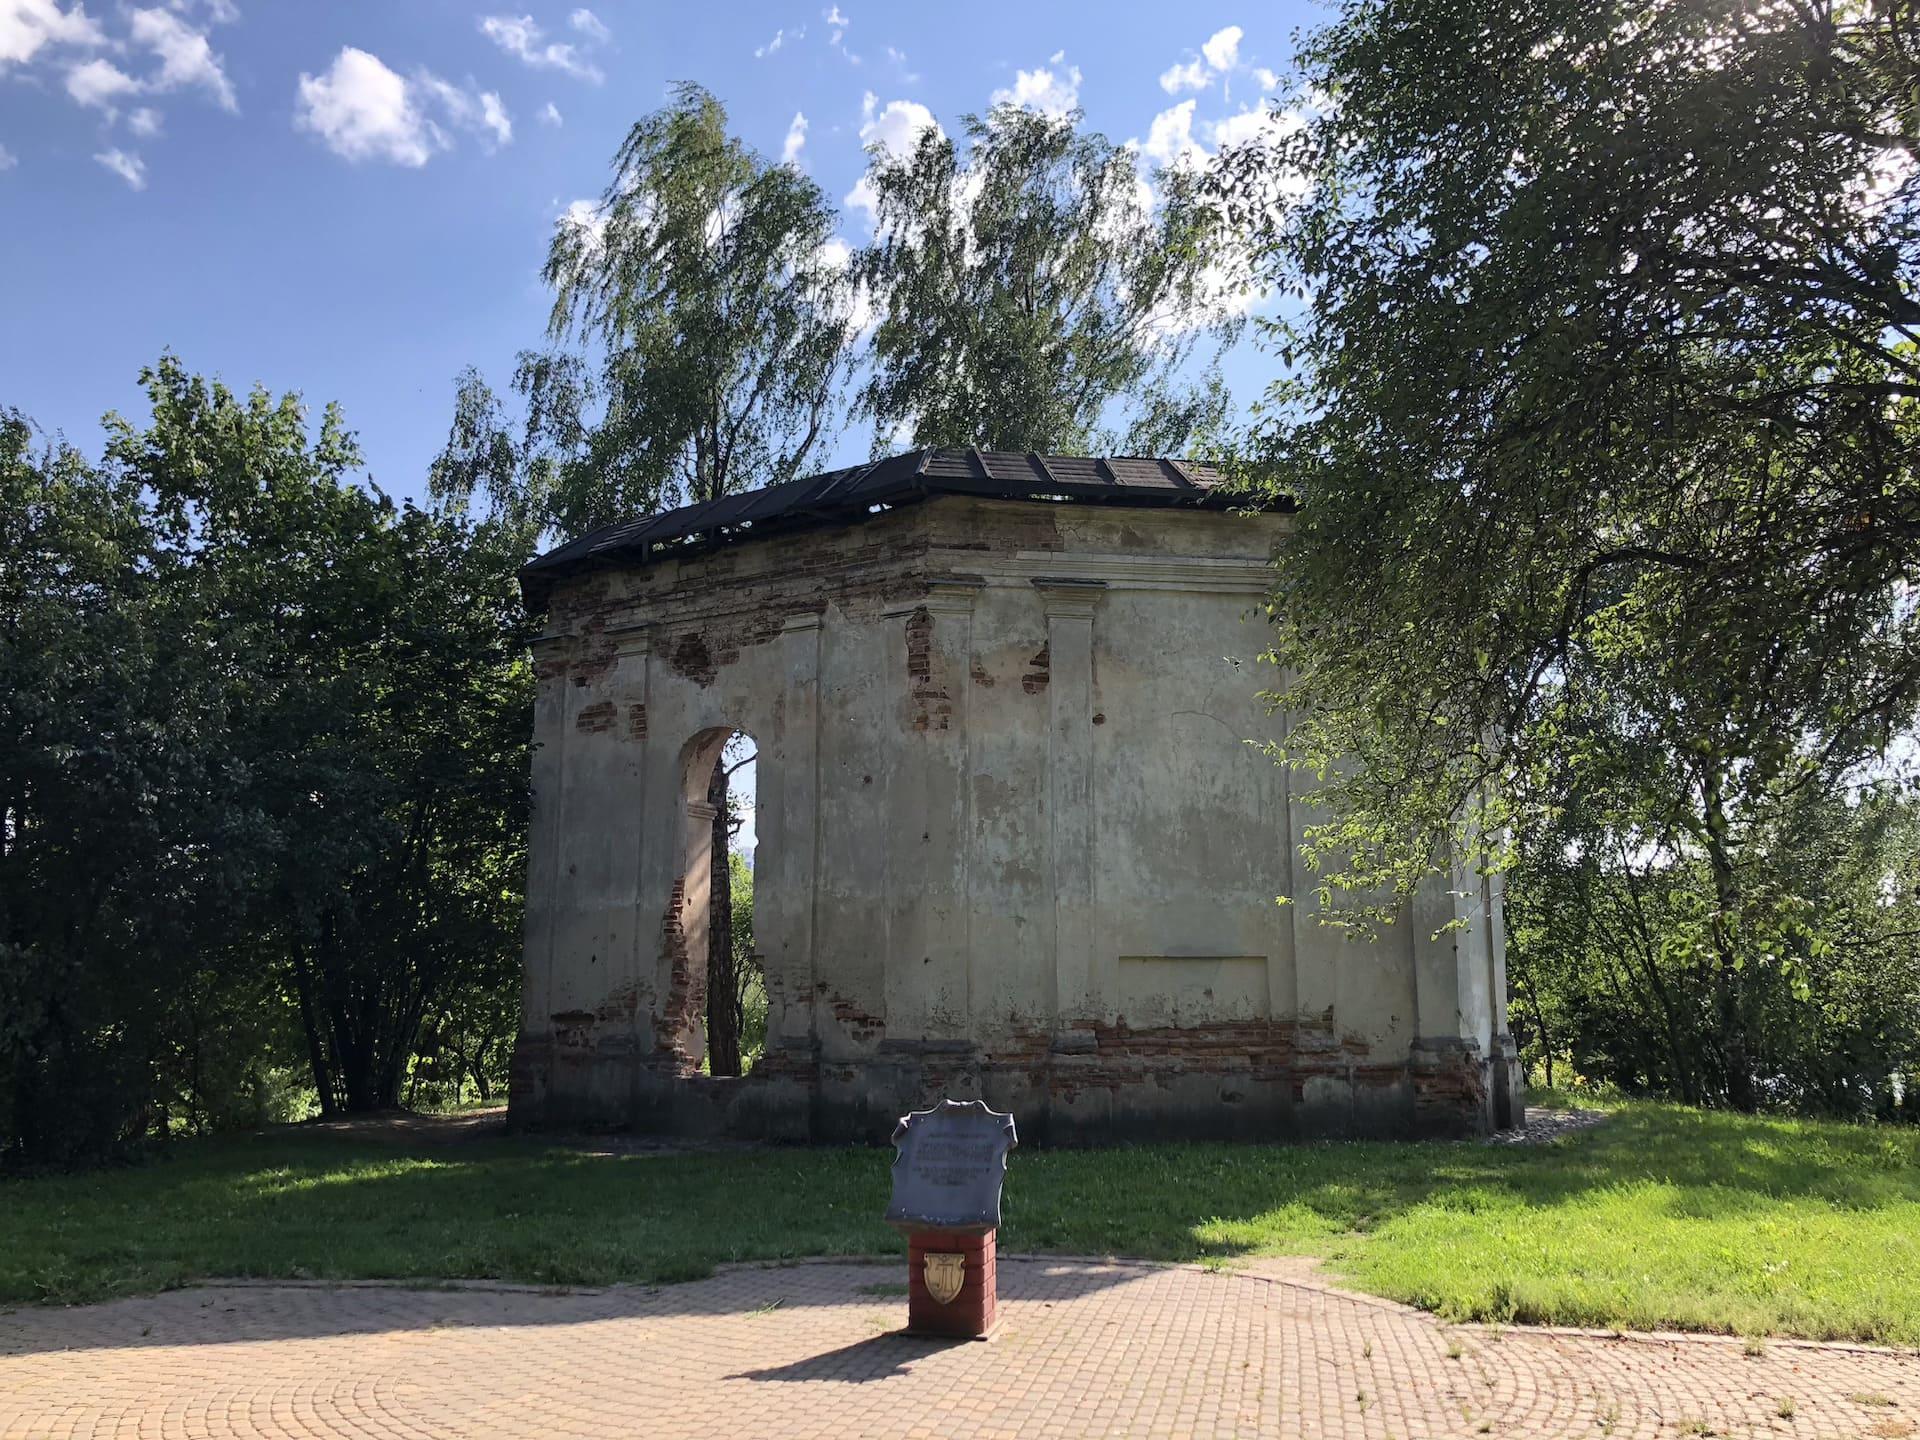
x,y
950,1162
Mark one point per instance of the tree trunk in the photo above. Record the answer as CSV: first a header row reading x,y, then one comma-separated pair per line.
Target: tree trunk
x,y
723,1003
1523,973
1733,1024
1645,948
323,1079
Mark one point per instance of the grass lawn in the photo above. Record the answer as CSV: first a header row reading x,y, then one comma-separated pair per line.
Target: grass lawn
x,y
1663,1217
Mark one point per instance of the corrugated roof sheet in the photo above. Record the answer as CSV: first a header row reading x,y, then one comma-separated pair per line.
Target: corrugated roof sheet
x,y
850,495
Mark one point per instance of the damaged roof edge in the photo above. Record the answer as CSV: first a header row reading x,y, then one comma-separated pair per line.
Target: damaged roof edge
x,y
854,493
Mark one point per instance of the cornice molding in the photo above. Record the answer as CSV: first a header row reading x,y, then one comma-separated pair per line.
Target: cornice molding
x,y
635,637
1139,572
946,595
1068,597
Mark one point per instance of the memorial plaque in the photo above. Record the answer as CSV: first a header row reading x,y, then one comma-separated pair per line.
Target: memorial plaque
x,y
947,1173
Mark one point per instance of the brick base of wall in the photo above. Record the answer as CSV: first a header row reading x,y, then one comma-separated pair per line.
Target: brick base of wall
x,y
1116,1091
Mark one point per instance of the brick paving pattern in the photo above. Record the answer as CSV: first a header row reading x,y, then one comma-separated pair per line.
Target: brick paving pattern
x,y
1083,1349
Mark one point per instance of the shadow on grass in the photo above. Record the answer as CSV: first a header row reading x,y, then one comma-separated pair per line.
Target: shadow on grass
x,y
1472,1230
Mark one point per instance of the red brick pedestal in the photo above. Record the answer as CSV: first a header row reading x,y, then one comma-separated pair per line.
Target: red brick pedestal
x,y
971,1314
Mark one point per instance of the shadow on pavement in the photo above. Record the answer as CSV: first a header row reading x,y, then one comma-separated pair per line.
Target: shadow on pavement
x,y
879,1357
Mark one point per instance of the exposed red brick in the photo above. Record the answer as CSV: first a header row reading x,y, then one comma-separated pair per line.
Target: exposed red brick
x,y
686,999
919,648
691,658
636,721
974,1310
622,1004
855,1023
931,706
1040,670
1454,1083
595,718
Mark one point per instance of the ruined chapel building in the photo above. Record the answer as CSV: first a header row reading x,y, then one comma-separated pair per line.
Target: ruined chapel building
x,y
1012,841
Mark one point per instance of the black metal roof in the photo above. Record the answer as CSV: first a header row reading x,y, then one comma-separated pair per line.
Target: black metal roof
x,y
850,495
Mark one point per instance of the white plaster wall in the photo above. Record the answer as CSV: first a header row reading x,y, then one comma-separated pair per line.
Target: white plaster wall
x,y
1041,814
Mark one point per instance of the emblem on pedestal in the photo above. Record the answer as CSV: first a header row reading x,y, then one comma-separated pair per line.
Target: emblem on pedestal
x,y
946,1274
947,1171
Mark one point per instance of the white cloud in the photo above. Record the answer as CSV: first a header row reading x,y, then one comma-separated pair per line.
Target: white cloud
x,y
520,36
1267,80
551,115
1219,57
837,254
27,25
587,217
590,25
837,24
1191,76
494,118
1170,138
364,111
483,114
1261,122
186,59
796,138
1223,48
144,122
760,52
896,128
99,83
130,168
1043,90
219,12
7,160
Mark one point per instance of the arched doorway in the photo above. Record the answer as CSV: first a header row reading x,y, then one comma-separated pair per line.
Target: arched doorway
x,y
720,783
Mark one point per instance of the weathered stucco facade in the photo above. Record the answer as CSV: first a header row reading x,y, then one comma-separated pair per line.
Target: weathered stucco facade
x,y
1012,844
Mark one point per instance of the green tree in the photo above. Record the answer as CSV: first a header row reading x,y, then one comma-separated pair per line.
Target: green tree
x,y
705,286
108,807
1600,414
263,772
1608,984
1031,280
750,983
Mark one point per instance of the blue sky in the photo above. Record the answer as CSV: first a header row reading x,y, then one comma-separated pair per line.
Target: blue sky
x,y
352,200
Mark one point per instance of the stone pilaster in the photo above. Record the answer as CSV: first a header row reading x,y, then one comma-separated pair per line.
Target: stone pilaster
x,y
625,770
1448,1059
1070,606
928,985
795,848
533,1046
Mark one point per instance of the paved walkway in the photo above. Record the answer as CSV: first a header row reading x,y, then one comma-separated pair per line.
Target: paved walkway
x,y
1083,1349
